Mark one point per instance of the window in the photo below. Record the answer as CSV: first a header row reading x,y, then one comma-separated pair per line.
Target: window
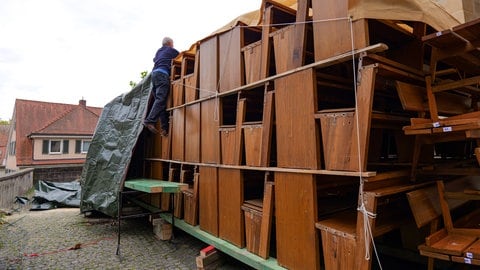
x,y
85,146
81,146
11,148
54,147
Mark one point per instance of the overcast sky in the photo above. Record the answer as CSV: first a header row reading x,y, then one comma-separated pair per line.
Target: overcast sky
x,y
65,50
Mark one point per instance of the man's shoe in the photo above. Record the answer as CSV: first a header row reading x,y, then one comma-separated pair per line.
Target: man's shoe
x,y
151,127
163,133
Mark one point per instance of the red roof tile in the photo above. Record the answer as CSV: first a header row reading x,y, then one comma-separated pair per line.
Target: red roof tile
x,y
44,118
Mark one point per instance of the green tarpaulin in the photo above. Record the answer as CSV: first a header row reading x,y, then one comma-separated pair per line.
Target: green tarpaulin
x,y
110,152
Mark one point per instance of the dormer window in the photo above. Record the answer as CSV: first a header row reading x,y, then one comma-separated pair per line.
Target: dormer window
x,y
81,146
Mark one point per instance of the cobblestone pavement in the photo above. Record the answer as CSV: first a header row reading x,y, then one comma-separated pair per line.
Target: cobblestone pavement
x,y
47,240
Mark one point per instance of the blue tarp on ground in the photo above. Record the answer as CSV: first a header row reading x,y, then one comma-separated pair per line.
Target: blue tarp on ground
x,y
111,149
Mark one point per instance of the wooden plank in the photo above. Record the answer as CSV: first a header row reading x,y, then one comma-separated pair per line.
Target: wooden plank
x,y
253,219
295,98
465,260
165,142
473,251
332,37
239,142
177,92
209,135
230,199
267,119
172,173
343,224
208,199
191,92
208,61
192,133
178,134
196,203
294,192
192,80
283,41
338,241
228,136
238,253
380,47
230,60
456,84
363,242
266,42
267,218
362,122
300,35
253,139
432,104
155,186
468,126
411,96
178,211
452,244
208,260
388,175
423,207
337,135
447,218
252,58
425,252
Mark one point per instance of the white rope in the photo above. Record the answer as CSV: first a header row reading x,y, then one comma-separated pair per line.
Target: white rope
x,y
293,23
367,230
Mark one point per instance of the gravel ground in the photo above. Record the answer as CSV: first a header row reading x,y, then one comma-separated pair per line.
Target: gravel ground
x,y
48,240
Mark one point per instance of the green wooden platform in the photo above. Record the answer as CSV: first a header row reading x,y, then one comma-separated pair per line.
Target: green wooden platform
x,y
240,254
155,186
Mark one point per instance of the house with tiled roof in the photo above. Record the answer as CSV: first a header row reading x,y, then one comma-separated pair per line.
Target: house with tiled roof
x,y
53,138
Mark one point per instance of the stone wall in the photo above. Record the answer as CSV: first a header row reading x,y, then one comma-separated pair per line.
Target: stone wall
x,y
58,174
14,184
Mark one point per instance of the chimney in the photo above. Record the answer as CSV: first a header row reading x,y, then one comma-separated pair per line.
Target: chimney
x,y
82,102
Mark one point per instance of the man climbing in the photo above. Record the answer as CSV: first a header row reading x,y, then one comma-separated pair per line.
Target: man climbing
x,y
161,87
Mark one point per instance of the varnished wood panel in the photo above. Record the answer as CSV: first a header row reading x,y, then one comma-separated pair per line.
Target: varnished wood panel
x,y
208,200
156,172
230,199
191,92
334,37
230,60
296,214
228,138
166,143
283,42
253,144
192,133
338,251
178,134
178,93
337,133
210,137
296,130
252,59
208,66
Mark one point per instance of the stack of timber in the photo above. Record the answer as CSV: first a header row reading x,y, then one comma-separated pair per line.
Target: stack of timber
x,y
294,137
209,259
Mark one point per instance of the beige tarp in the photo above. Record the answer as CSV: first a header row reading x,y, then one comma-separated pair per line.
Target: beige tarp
x,y
427,11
